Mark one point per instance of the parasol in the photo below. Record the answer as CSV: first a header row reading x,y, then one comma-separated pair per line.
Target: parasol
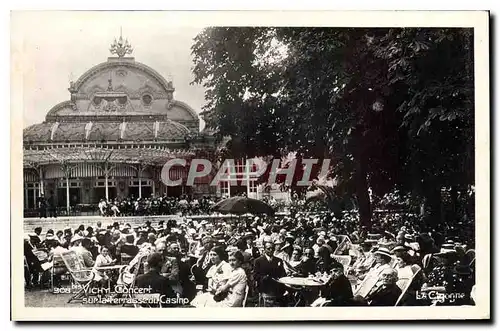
x,y
243,205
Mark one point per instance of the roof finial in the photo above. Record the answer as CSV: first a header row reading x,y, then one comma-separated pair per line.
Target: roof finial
x,y
120,47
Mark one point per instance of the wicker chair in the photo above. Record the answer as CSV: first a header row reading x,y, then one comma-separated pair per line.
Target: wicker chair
x,y
79,273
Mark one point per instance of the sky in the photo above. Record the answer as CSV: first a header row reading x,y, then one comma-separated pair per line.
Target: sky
x,y
58,47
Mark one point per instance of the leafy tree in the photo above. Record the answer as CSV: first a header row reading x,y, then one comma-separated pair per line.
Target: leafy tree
x,y
392,108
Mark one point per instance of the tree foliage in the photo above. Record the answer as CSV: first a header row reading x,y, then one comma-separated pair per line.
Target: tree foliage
x,y
391,108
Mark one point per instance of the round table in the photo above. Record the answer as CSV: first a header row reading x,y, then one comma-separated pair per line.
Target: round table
x,y
300,281
304,284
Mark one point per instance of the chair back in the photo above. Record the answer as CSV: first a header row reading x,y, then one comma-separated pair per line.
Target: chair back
x,y
345,260
367,284
471,257
416,269
344,243
76,267
426,261
405,283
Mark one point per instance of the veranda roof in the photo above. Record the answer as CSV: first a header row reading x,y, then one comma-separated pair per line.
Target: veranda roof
x,y
147,155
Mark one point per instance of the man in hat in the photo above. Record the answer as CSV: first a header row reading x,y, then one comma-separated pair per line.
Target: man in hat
x,y
49,237
383,259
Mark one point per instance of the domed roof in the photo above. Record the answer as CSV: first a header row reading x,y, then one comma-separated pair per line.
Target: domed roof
x,y
105,131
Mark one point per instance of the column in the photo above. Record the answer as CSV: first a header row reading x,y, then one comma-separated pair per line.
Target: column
x,y
67,194
247,174
106,180
154,187
40,176
140,187
25,197
34,199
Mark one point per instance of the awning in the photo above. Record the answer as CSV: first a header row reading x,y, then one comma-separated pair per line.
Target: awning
x,y
147,156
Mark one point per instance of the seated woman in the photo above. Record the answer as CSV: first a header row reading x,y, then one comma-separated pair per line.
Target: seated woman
x,y
235,286
104,259
218,274
403,265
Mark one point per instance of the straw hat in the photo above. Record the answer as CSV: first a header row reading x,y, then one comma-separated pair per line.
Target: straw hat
x,y
374,236
446,249
399,249
383,251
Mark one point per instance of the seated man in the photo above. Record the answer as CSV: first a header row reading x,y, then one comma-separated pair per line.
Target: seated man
x,y
152,279
385,294
338,290
308,264
84,252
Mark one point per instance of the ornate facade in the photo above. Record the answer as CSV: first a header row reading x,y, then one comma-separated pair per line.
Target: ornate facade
x,y
112,137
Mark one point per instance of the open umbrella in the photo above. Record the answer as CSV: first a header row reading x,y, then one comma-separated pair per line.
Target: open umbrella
x,y
243,205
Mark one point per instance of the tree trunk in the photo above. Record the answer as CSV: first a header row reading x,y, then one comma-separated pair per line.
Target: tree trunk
x,y
364,204
433,206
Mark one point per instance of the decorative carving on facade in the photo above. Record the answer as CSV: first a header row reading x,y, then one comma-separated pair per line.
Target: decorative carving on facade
x,y
121,73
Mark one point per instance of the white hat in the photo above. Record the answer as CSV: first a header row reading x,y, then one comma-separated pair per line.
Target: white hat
x,y
383,251
75,238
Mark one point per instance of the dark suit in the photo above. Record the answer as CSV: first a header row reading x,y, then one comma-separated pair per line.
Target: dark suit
x,y
265,271
158,283
308,267
338,291
384,296
129,249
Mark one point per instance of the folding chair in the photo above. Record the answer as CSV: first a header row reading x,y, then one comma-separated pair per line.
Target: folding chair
x,y
247,288
57,262
405,283
366,285
128,279
27,273
81,275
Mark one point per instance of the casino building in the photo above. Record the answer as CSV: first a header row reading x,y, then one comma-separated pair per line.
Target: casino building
x,y
112,137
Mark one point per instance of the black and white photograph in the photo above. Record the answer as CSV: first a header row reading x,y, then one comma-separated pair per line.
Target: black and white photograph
x,y
286,170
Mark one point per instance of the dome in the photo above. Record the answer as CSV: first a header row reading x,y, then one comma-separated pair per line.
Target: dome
x,y
123,88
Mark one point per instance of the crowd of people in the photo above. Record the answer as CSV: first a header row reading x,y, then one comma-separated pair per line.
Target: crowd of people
x,y
245,261
162,205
